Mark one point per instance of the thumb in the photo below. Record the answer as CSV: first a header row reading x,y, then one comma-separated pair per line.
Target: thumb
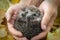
x,y
8,14
43,27
45,20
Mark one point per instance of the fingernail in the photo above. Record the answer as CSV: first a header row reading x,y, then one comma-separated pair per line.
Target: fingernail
x,y
43,27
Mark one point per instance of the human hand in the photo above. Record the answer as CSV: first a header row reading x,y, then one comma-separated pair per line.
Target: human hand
x,y
49,12
18,38
11,15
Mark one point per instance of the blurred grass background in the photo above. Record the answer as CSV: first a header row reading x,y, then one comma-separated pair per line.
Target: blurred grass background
x,y
54,34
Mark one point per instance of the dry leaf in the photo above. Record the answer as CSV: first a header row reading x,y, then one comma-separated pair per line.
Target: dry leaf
x,y
3,32
2,15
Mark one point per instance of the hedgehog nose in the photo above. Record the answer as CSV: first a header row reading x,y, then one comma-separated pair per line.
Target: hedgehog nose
x,y
30,17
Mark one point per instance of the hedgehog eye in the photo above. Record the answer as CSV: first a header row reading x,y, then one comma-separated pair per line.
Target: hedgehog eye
x,y
34,14
23,15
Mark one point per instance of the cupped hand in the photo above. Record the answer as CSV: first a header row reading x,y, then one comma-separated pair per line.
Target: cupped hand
x,y
49,12
11,15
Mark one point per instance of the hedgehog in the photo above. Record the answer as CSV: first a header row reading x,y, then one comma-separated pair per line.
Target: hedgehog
x,y
28,22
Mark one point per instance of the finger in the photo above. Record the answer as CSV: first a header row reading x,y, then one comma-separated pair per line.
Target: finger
x,y
17,38
15,15
51,21
21,38
41,35
45,20
42,12
9,14
24,38
14,31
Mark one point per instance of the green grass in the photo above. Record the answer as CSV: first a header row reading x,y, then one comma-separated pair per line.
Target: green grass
x,y
4,4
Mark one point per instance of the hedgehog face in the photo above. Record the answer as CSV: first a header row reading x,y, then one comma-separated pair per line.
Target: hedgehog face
x,y
30,14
